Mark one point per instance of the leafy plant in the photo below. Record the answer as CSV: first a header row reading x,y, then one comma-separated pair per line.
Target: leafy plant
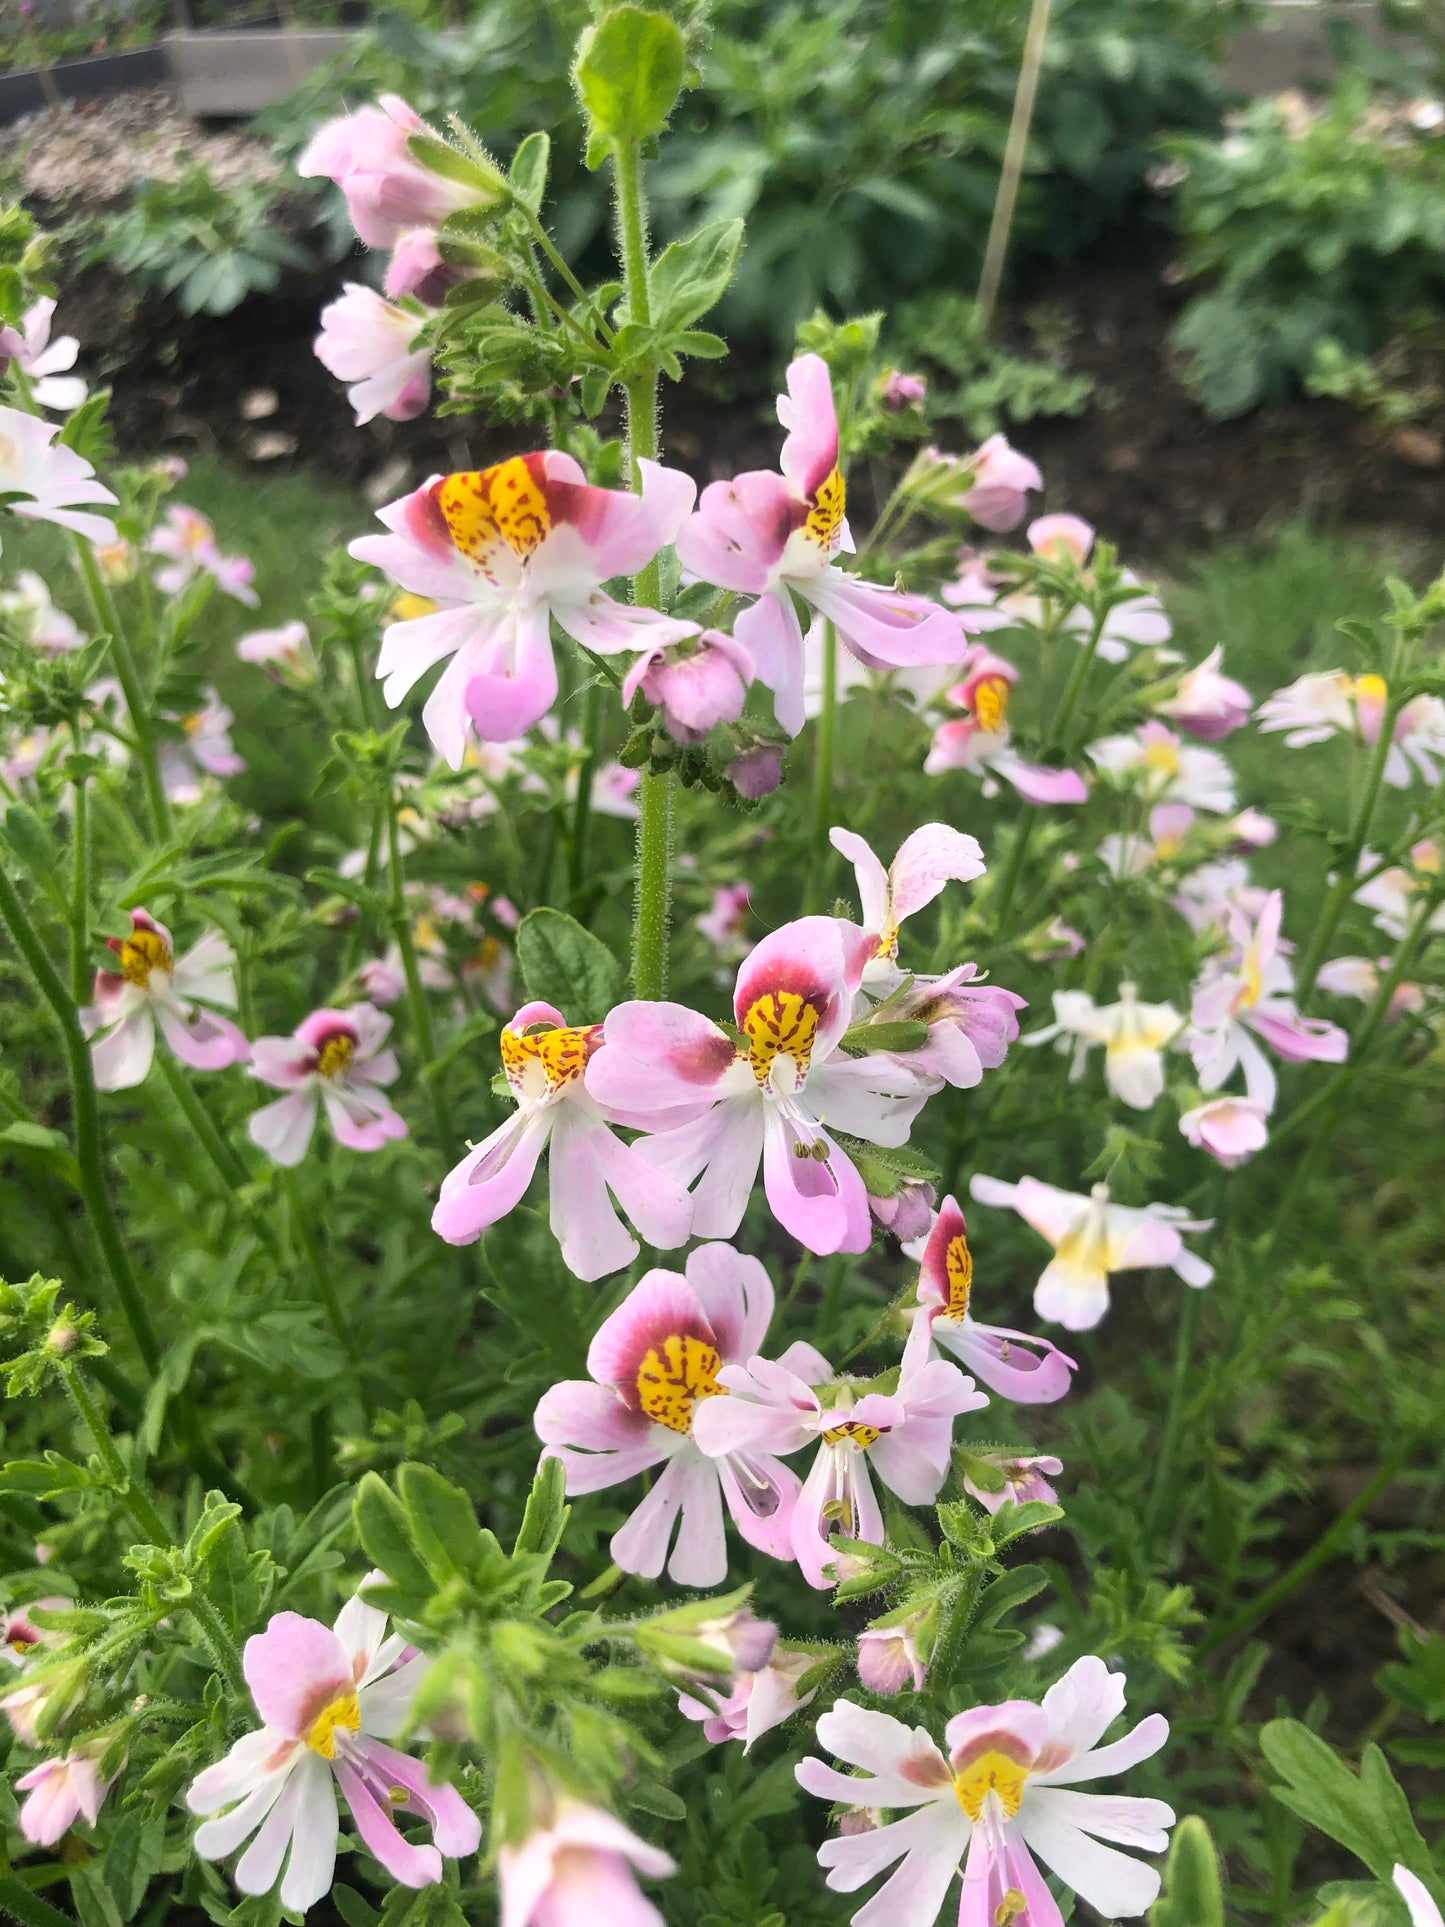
x,y
1320,236
210,246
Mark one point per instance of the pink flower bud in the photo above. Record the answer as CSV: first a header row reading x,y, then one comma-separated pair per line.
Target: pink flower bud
x,y
888,1656
1230,1129
1002,478
757,771
903,391
694,684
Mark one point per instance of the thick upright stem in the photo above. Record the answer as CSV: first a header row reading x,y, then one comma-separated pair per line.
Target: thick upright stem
x,y
1015,150
654,830
1346,880
80,892
107,618
86,1110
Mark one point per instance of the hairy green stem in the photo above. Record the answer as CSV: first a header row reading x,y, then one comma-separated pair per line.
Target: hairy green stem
x,y
652,907
135,1500
107,618
80,893
1346,880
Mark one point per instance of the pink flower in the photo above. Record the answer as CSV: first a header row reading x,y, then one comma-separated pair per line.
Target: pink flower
x,y
329,1700
757,1702
1001,480
1251,829
366,342
1248,994
978,740
695,684
382,978
1169,770
1001,1793
1023,1479
336,1060
61,1792
654,1364
906,1212
931,857
1028,1370
1208,704
503,552
757,772
50,479
1230,1129
1416,1895
1061,539
44,361
19,1634
35,617
188,541
387,189
417,268
1066,541
285,654
907,1435
726,921
775,535
154,986
903,391
204,750
577,1871
544,1059
1092,1238
762,1100
888,1651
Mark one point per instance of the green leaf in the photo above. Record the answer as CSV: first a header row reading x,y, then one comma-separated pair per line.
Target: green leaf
x,y
382,1527
546,1514
439,158
691,276
1012,1521
528,172
443,1521
629,74
1192,1895
910,1034
46,1144
566,966
44,1479
28,838
648,1797
1369,1816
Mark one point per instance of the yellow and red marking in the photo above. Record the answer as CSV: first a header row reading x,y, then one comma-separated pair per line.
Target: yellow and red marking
x,y
780,1023
990,703
143,951
560,1054
825,515
675,1375
488,509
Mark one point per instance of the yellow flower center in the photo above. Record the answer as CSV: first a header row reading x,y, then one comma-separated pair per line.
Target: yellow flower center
x,y
990,703
407,607
485,507
142,952
1425,857
335,1055
343,1712
958,1264
850,1432
191,724
825,517
1162,758
991,1772
1253,989
19,1643
675,1376
1369,689
541,1065
781,1023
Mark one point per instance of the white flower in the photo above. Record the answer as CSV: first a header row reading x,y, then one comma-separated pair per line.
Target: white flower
x,y
1134,1037
50,478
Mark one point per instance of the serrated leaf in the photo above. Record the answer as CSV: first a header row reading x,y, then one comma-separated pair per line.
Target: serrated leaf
x,y
528,172
545,1516
566,966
